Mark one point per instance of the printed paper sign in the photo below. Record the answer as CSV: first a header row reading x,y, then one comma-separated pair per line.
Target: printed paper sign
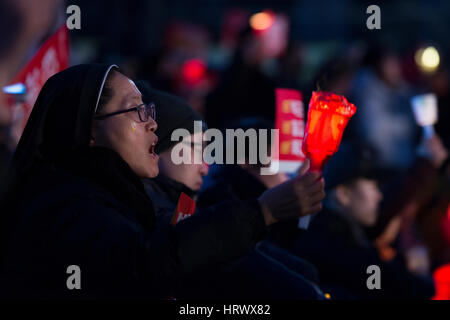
x,y
290,121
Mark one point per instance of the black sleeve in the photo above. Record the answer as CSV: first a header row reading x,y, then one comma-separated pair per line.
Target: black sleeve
x,y
213,235
121,259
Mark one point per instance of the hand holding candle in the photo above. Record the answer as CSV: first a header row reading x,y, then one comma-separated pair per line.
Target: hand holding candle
x,y
328,116
297,197
301,196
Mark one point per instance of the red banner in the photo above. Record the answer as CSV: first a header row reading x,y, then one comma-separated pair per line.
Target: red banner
x,y
290,121
52,57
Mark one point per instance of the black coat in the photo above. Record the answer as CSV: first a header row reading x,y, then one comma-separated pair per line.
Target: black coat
x,y
268,272
72,204
165,193
233,182
338,247
68,219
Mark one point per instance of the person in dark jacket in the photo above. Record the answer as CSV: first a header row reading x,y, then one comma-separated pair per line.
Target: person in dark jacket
x,y
244,181
77,222
268,271
337,244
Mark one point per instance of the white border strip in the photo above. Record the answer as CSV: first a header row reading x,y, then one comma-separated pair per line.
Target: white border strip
x,y
284,166
103,83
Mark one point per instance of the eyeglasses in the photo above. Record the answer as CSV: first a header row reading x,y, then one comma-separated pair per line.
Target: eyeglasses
x,y
145,111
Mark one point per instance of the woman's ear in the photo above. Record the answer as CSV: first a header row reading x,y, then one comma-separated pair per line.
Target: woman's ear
x,y
343,194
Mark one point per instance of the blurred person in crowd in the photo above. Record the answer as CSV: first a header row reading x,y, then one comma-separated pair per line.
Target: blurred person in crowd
x,y
267,272
173,113
247,87
22,24
76,199
439,83
433,220
336,76
181,66
384,118
336,242
290,66
245,181
412,215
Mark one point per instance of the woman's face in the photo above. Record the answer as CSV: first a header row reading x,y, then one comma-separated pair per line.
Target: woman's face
x,y
125,133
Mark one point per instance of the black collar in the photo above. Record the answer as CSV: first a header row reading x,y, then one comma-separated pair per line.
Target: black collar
x,y
168,188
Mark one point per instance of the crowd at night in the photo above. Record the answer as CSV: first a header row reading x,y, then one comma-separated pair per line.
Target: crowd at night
x,y
223,150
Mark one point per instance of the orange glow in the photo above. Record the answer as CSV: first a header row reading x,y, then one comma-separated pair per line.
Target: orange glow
x,y
262,20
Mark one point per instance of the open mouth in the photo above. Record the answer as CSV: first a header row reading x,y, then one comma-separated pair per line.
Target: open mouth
x,y
152,148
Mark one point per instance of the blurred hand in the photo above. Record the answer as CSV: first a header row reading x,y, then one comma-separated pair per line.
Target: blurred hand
x,y
297,197
417,260
390,233
434,150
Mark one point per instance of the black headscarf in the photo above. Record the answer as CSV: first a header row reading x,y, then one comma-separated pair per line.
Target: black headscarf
x,y
61,119
58,133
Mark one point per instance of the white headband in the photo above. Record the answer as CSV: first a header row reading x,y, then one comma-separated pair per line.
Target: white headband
x,y
103,83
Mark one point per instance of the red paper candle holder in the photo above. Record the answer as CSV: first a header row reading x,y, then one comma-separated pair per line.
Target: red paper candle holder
x,y
328,116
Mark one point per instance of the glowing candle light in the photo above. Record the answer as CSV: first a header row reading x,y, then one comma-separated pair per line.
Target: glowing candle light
x,y
427,59
328,116
426,112
262,21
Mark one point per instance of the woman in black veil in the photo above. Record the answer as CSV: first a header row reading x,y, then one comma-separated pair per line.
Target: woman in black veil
x,y
76,199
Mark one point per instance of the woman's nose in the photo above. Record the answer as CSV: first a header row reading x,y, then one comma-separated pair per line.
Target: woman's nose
x,y
151,125
380,195
204,169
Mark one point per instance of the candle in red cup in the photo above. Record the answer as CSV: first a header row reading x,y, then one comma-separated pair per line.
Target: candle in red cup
x,y
328,116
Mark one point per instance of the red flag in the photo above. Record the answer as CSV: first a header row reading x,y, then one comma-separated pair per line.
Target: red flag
x,y
185,208
52,57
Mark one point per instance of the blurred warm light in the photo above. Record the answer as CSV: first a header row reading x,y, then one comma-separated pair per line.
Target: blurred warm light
x,y
193,71
427,59
261,21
